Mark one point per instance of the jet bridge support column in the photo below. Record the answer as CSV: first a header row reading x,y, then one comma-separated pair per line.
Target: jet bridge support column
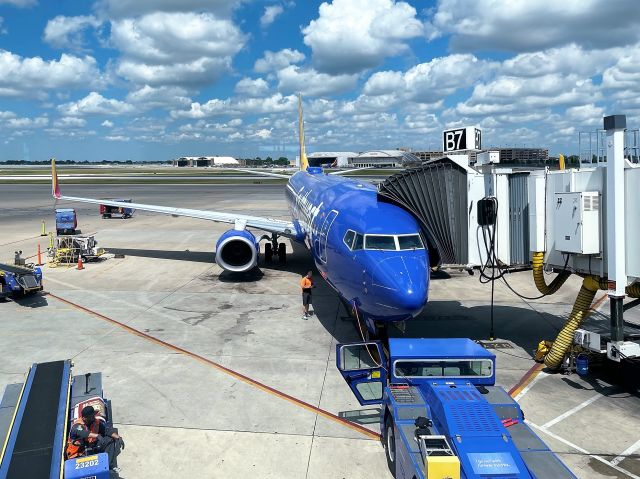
x,y
616,253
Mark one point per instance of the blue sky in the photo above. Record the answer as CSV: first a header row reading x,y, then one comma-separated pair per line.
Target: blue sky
x,y
157,79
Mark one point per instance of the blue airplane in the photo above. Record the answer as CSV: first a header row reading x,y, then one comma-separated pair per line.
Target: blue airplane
x,y
370,252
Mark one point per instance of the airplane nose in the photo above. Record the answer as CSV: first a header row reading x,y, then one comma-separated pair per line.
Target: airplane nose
x,y
401,283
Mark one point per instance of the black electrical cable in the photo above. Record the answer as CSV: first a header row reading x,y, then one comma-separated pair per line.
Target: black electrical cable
x,y
489,233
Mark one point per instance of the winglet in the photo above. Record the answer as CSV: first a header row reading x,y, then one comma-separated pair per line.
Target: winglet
x,y
55,185
304,163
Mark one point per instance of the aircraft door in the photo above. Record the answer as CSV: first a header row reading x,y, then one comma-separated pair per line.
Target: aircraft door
x,y
324,235
362,367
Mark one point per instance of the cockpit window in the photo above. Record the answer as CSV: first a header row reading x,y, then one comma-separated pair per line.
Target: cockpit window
x,y
380,242
410,242
348,237
357,242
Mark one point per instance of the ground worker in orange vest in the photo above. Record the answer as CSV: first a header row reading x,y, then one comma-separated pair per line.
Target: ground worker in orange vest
x,y
90,435
306,284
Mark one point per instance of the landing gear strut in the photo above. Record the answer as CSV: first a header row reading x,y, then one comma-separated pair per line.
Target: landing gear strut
x,y
273,247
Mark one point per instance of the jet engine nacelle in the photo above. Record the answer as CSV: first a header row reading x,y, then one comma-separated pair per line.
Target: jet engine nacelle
x,y
237,251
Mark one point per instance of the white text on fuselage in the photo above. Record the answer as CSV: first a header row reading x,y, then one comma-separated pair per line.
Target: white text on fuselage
x,y
306,211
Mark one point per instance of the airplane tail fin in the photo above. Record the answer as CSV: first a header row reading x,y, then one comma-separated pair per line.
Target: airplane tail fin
x,y
55,185
304,163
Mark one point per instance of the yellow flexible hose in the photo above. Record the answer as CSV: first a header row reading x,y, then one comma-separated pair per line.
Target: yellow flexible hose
x,y
590,285
538,276
564,340
633,290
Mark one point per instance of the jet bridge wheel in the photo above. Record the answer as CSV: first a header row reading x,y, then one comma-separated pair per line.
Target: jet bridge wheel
x,y
389,440
282,253
268,252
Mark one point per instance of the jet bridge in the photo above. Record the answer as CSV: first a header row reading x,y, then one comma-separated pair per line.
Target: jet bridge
x,y
443,195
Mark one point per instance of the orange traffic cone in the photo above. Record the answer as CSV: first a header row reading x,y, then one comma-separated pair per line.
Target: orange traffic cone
x,y
80,265
39,256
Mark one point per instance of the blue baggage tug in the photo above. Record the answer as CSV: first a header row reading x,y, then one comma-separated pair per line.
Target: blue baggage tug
x,y
34,421
441,416
19,280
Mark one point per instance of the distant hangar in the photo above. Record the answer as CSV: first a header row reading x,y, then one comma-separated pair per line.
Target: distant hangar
x,y
205,161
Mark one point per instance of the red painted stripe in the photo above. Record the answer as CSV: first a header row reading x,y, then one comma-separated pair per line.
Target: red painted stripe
x,y
230,372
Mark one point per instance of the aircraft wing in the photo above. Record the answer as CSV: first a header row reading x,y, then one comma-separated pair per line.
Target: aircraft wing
x,y
263,173
342,172
271,225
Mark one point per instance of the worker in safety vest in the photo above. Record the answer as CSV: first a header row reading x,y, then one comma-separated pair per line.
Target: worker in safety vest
x,y
306,283
90,435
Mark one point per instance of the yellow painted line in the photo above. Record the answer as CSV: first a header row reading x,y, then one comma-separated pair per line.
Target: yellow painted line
x,y
526,379
536,369
245,379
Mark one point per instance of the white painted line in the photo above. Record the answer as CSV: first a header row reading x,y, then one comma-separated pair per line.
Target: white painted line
x,y
579,449
630,450
571,411
525,390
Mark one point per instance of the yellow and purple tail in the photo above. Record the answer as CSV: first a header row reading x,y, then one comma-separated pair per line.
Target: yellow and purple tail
x,y
304,163
55,185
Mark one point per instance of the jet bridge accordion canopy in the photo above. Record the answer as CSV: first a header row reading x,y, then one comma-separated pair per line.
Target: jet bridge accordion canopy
x,y
436,195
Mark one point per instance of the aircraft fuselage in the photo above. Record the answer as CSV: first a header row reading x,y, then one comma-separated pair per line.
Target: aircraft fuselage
x,y
369,251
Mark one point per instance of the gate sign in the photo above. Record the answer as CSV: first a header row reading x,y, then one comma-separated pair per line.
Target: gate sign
x,y
468,138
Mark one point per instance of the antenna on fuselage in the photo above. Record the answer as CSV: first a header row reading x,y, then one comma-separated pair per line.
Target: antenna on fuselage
x,y
304,163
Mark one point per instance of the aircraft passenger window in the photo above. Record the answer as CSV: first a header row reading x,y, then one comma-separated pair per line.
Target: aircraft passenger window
x,y
348,237
380,242
357,243
410,242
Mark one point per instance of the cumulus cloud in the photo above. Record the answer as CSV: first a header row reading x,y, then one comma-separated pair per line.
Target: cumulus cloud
x,y
149,97
263,133
508,94
19,3
252,87
27,123
536,24
30,76
274,61
107,124
96,104
67,32
429,82
130,8
196,73
350,36
294,79
626,71
568,59
276,103
176,37
175,48
271,12
69,122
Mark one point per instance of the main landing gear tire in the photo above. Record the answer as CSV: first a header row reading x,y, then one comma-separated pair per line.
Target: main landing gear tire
x,y
268,252
389,439
282,253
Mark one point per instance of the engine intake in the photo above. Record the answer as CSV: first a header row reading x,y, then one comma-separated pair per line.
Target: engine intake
x,y
237,251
